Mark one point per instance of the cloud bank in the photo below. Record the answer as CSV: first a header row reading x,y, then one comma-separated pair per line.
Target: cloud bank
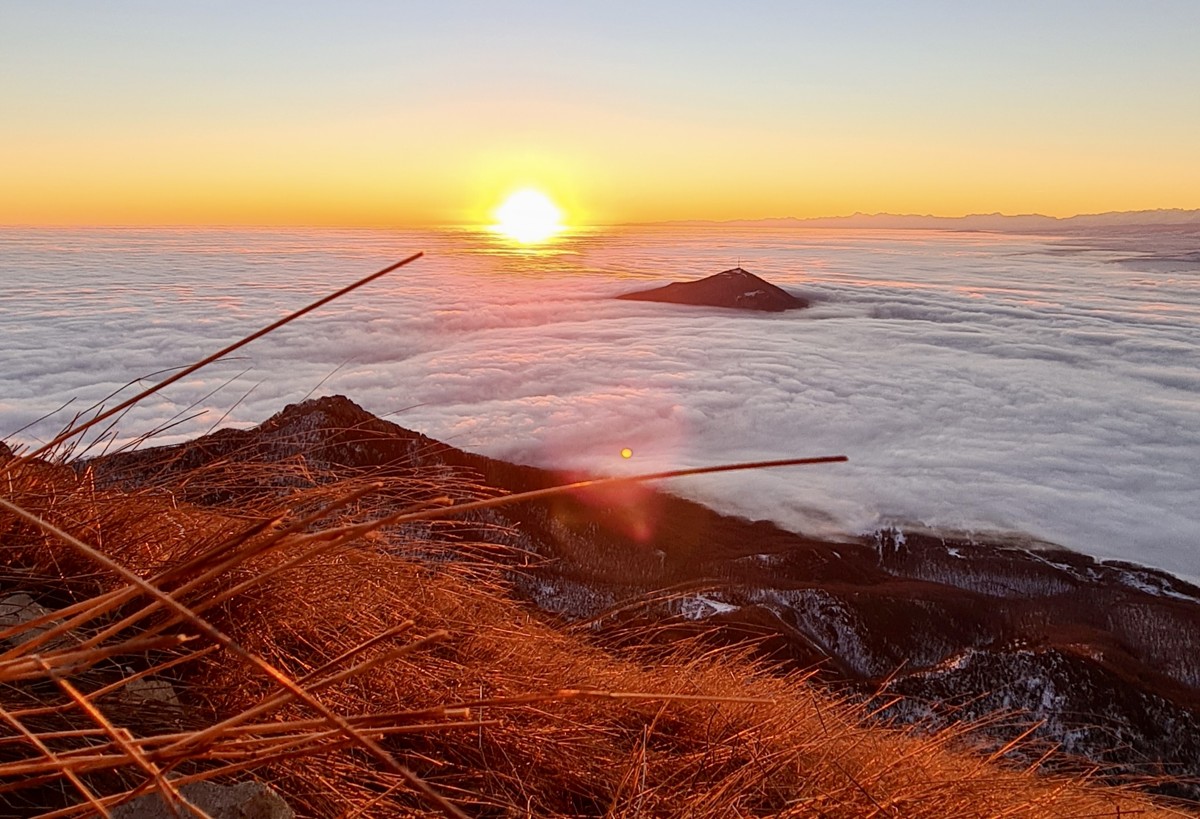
x,y
976,382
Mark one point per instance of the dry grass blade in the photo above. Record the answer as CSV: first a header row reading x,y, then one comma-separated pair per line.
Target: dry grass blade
x,y
78,661
338,536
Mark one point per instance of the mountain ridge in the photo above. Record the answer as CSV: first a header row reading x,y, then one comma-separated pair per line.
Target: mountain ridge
x,y
1161,217
956,628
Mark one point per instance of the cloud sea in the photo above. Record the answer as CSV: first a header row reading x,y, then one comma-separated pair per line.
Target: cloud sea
x,y
1048,386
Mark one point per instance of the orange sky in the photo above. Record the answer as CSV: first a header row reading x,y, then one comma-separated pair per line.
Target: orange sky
x,y
140,114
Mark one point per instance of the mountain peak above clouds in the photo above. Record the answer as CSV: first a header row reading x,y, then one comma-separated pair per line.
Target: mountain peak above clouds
x,y
735,288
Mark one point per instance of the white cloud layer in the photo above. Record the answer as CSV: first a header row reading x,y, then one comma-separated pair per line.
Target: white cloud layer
x,y
976,381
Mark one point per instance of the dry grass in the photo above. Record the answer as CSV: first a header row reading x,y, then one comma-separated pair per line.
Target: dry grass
x,y
306,653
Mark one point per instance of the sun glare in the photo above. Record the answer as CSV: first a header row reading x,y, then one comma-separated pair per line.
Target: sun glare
x,y
529,217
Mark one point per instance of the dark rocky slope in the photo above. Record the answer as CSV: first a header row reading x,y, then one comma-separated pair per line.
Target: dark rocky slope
x,y
736,288
1104,657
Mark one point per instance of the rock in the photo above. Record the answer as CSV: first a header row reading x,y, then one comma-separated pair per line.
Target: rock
x,y
735,288
245,800
149,691
19,608
1068,699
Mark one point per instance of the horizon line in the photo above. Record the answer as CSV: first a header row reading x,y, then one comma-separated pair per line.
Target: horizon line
x,y
800,220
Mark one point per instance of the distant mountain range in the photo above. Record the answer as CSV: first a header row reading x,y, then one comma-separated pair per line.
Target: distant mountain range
x,y
978,221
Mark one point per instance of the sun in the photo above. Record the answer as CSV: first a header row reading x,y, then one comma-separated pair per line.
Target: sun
x,y
528,216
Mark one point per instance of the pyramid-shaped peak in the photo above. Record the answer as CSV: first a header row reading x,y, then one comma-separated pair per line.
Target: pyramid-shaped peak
x,y
736,287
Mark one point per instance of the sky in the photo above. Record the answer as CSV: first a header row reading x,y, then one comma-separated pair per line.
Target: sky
x,y
390,114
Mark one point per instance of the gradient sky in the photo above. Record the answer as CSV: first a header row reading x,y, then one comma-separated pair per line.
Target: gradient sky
x,y
414,113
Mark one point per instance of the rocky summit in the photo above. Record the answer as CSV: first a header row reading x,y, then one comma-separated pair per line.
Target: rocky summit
x,y
735,288
1099,659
